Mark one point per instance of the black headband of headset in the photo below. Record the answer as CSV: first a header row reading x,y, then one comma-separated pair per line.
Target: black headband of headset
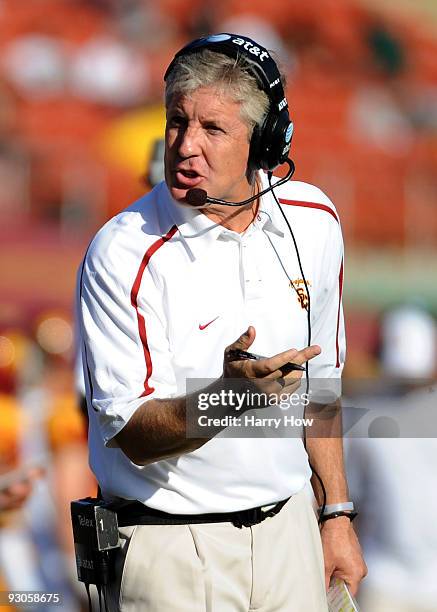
x,y
263,66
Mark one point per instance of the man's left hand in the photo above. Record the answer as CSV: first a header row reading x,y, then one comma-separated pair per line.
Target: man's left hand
x,y
342,553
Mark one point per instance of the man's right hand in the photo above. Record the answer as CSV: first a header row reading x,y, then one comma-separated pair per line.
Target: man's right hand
x,y
266,374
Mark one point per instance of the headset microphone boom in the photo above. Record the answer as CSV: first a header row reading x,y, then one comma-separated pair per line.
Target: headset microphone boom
x,y
198,197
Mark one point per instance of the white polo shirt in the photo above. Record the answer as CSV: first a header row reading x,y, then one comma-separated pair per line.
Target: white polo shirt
x,y
162,292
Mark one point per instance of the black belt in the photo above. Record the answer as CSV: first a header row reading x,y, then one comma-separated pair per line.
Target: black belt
x,y
136,513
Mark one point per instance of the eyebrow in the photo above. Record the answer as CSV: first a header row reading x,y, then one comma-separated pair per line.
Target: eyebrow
x,y
177,110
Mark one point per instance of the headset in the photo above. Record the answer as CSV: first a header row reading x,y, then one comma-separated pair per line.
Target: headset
x,y
270,143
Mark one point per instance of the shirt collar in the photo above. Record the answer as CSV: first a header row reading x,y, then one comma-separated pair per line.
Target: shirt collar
x,y
198,232
268,217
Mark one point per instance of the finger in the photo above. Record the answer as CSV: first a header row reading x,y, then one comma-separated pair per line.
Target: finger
x,y
306,354
291,387
353,584
272,364
293,375
277,386
256,372
292,355
354,579
259,369
353,587
328,577
275,375
273,387
244,341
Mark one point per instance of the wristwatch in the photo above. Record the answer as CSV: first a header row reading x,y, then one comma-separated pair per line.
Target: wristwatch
x,y
332,511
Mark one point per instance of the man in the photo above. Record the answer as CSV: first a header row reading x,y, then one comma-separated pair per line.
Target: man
x,y
168,294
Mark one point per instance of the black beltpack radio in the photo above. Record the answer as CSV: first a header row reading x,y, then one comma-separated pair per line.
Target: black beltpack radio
x,y
95,532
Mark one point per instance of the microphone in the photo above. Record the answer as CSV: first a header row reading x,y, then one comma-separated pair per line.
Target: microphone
x,y
198,197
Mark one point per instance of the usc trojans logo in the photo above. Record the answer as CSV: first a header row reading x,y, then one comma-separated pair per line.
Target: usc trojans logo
x,y
298,285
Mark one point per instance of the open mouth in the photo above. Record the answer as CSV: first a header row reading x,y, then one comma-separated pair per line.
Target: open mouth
x,y
188,178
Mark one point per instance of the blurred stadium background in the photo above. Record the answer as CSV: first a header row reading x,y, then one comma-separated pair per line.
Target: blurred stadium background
x,y
80,110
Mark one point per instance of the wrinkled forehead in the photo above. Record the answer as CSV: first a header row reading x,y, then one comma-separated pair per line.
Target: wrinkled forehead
x,y
218,91
209,104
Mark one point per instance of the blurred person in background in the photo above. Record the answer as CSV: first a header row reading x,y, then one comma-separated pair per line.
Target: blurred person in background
x,y
16,482
14,494
393,480
21,482
198,515
43,458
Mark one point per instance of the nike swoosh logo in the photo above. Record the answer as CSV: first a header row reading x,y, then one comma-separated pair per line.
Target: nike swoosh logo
x,y
202,327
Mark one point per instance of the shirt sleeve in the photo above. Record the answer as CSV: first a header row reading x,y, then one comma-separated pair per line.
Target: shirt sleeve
x,y
124,342
327,321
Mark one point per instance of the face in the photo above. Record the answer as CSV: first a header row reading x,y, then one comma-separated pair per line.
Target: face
x,y
206,146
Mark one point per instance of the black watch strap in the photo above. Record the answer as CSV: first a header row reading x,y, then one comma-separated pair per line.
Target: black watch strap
x,y
333,515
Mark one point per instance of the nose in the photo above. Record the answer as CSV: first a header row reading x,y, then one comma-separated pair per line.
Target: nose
x,y
188,142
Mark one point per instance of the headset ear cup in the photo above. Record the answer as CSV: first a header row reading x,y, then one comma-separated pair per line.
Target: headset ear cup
x,y
283,134
274,141
269,145
264,152
255,148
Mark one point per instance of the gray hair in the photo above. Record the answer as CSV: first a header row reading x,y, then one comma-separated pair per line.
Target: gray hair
x,y
231,76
